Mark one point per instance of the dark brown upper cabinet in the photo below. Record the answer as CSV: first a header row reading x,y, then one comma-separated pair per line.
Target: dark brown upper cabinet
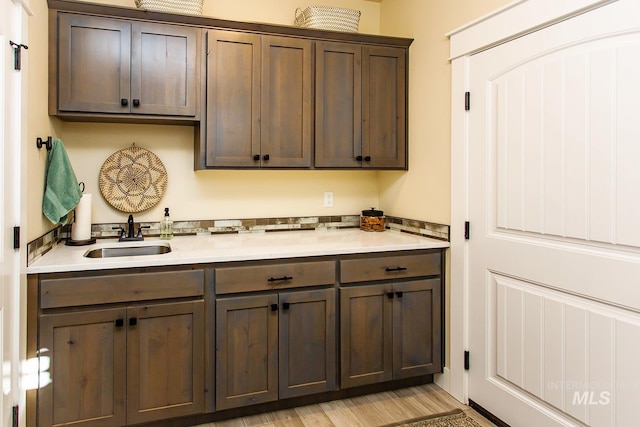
x,y
259,101
105,68
360,106
258,95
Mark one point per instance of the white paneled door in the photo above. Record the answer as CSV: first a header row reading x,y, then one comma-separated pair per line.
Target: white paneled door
x,y
554,207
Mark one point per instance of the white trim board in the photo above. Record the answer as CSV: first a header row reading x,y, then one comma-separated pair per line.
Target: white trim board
x,y
514,20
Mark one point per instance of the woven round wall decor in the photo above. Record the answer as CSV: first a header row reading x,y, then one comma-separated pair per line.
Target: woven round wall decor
x,y
133,179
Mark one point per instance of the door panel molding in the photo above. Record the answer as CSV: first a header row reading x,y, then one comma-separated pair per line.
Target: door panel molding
x,y
563,350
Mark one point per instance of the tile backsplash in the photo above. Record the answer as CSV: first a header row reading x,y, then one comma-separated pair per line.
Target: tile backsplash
x,y
41,245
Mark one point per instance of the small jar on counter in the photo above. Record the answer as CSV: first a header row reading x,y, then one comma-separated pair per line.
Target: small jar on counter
x,y
372,220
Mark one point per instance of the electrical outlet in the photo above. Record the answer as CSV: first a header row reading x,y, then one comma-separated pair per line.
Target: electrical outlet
x,y
328,199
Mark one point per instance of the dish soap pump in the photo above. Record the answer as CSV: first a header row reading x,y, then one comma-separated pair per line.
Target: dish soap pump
x,y
166,226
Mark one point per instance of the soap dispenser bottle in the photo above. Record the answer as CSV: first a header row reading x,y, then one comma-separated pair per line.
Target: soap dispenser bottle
x,y
166,226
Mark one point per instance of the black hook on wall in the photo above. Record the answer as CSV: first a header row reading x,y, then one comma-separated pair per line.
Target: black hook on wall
x,y
16,53
48,143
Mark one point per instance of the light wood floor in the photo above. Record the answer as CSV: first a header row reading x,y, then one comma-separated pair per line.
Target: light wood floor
x,y
363,411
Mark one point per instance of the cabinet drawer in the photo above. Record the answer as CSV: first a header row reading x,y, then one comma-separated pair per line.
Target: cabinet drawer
x,y
274,276
75,291
391,267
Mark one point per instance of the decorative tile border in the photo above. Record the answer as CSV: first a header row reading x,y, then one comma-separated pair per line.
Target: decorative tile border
x,y
422,228
251,225
43,244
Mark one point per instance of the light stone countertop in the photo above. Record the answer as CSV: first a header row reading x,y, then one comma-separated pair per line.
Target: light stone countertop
x,y
234,247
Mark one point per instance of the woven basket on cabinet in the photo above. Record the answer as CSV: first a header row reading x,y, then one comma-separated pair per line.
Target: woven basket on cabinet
x,y
188,7
328,18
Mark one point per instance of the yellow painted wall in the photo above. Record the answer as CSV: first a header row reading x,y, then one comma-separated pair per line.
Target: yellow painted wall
x,y
424,192
421,193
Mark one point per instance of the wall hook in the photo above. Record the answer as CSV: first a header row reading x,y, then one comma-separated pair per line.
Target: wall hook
x,y
16,53
48,143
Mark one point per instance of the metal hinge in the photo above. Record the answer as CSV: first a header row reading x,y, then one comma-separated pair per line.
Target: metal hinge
x,y
466,360
467,101
16,237
466,230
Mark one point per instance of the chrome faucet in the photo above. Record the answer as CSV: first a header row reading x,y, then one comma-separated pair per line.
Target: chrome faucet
x,y
130,235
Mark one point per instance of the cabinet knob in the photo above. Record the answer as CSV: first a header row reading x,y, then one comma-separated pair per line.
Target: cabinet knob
x,y
265,157
399,294
359,158
124,102
390,295
136,102
256,157
133,321
285,306
274,307
119,323
366,158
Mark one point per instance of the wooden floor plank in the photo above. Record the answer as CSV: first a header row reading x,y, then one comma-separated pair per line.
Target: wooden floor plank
x,y
288,418
340,414
313,415
377,409
370,410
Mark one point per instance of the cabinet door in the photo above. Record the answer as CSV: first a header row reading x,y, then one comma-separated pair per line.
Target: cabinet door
x,y
93,64
416,328
338,135
233,99
246,350
384,107
287,106
165,361
365,335
307,334
164,72
87,356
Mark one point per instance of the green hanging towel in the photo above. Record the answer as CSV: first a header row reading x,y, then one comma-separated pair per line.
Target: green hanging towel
x,y
62,192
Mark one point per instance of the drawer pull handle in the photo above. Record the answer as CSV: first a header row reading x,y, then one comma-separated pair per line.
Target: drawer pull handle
x,y
280,279
285,306
390,295
399,294
274,307
119,323
395,269
124,102
133,321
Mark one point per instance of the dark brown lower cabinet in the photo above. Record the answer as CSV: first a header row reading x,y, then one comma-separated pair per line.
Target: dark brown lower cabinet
x,y
112,367
165,361
307,333
389,331
274,346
